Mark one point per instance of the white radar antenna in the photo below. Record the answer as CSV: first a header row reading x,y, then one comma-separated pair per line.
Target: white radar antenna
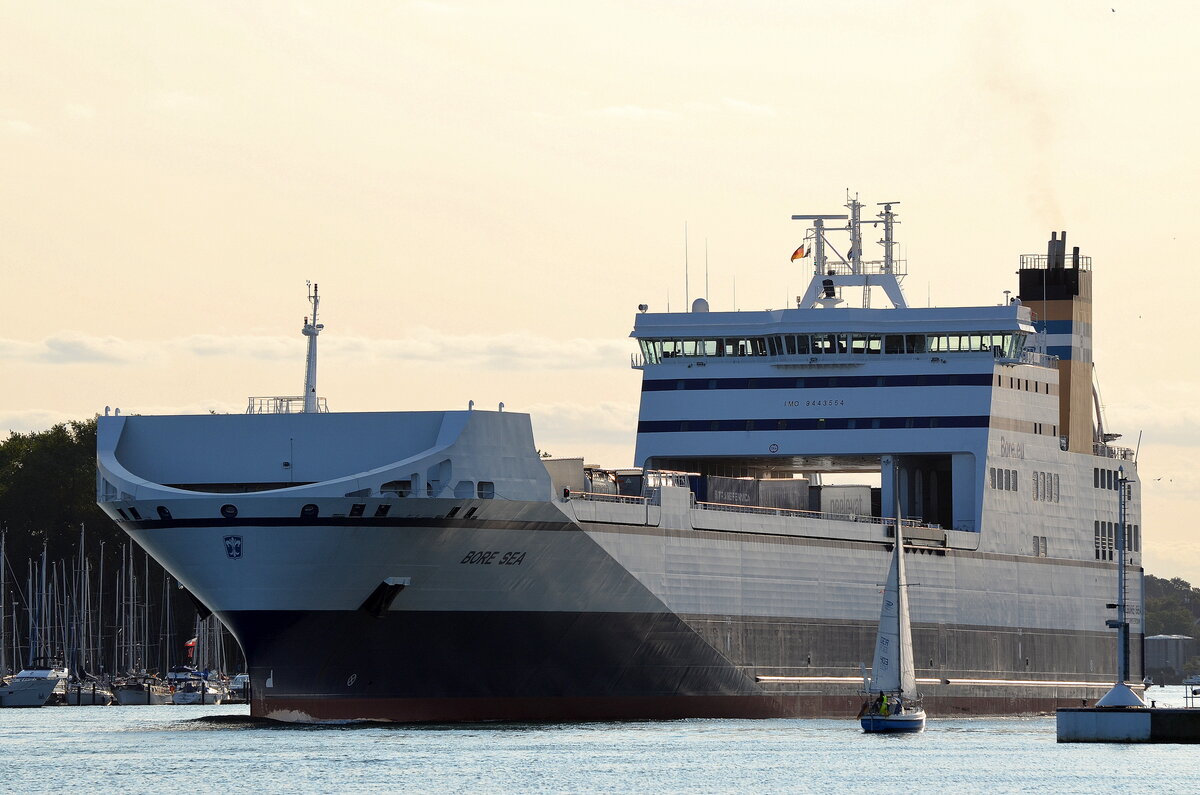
x,y
829,276
311,330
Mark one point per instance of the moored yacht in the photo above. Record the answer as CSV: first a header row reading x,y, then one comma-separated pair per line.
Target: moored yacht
x,y
34,685
142,689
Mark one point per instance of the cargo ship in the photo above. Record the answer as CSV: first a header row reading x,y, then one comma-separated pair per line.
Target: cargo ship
x,y
432,567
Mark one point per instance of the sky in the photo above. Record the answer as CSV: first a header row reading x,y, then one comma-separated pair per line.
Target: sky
x,y
486,191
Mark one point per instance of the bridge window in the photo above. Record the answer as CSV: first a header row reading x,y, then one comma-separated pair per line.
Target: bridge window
x,y
1007,345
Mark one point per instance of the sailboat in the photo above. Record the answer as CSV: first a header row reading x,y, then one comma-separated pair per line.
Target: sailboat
x,y
896,706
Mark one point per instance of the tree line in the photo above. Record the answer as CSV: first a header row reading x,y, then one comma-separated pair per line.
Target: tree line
x,y
47,510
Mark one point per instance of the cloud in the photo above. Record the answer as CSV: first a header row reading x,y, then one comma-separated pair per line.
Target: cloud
x,y
78,110
30,420
18,127
726,106
245,347
432,7
574,422
748,108
72,348
514,351
181,101
634,113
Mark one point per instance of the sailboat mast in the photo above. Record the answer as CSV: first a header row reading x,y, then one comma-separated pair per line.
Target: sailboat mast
x,y
901,596
43,618
3,603
908,682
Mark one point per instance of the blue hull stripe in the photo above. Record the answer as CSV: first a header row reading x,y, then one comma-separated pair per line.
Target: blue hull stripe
x,y
810,424
819,382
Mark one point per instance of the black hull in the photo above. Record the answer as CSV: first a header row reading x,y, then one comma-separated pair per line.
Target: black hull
x,y
547,666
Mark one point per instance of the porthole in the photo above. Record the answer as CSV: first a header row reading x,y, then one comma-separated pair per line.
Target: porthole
x,y
163,512
310,511
229,511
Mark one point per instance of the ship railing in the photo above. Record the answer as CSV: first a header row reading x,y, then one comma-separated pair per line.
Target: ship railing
x,y
282,404
1033,357
1042,262
1109,451
764,510
598,497
760,510
899,267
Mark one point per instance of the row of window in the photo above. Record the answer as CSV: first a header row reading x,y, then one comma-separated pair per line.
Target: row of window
x,y
484,490
1106,539
1027,385
1005,479
1007,345
1045,487
464,489
1105,478
1039,546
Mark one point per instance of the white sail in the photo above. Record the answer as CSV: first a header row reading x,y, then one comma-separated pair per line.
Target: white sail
x,y
892,670
886,669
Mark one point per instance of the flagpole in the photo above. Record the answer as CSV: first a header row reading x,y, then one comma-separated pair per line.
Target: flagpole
x,y
686,293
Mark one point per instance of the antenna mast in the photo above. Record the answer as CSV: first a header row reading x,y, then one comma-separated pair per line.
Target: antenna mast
x,y
852,270
311,330
855,208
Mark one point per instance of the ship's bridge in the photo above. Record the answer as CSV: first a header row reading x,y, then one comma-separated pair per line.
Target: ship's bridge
x,y
793,336
815,393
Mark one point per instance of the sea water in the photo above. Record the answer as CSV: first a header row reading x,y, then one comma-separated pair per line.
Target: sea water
x,y
221,749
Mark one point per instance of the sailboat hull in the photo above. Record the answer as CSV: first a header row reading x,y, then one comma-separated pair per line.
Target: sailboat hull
x,y
904,722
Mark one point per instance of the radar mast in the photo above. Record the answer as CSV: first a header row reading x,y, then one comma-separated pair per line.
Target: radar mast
x,y
311,330
851,270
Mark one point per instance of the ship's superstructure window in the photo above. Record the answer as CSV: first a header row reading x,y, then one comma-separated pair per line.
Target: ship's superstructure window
x,y
1106,539
382,510
1000,344
486,490
1039,546
1105,478
1102,540
357,509
1003,479
310,511
134,513
1045,487
229,511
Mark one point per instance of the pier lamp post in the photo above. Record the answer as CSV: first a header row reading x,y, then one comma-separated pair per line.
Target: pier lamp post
x,y
1121,694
